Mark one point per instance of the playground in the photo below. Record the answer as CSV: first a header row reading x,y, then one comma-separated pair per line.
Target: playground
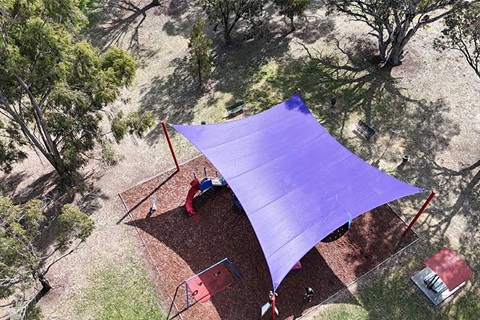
x,y
178,246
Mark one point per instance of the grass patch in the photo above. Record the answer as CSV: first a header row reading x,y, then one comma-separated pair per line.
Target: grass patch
x,y
467,306
120,293
347,310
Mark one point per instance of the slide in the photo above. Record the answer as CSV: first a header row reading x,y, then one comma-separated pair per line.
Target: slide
x,y
195,187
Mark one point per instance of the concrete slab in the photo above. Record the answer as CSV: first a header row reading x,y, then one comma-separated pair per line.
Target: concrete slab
x,y
435,298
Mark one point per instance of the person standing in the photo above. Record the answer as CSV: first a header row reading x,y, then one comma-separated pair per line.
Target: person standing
x,y
309,293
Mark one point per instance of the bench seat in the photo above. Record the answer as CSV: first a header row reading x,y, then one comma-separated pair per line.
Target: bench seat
x,y
365,130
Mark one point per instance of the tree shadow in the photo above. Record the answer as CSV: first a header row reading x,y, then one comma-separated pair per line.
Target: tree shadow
x,y
182,18
470,251
360,87
114,22
458,199
427,133
392,292
176,7
311,29
457,191
43,187
90,203
389,293
10,182
240,62
172,98
55,194
376,237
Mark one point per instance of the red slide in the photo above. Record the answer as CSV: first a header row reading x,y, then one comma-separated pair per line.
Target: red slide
x,y
195,186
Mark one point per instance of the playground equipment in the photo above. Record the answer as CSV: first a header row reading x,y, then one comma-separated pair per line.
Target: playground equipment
x,y
194,187
445,273
204,285
297,266
207,183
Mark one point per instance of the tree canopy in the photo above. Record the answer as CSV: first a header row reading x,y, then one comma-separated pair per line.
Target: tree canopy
x,y
21,262
227,13
53,85
394,23
462,33
292,8
199,53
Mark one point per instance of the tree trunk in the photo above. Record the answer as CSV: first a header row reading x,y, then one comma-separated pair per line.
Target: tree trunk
x,y
226,36
401,37
396,54
49,147
52,157
199,70
292,25
382,49
46,287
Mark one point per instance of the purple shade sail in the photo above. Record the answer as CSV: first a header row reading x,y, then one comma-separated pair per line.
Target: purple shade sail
x,y
295,182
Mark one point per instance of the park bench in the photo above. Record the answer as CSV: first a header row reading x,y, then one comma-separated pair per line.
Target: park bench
x,y
365,130
235,108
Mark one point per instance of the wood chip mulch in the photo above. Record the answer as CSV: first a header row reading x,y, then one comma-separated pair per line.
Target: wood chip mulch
x,y
181,246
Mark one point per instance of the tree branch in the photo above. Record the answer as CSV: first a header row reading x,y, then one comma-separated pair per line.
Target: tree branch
x,y
60,258
23,126
6,305
44,98
43,131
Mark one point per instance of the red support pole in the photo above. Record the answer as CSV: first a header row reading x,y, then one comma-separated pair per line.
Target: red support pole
x,y
299,91
419,213
170,144
272,302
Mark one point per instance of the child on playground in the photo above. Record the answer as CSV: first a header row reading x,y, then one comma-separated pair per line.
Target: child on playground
x,y
309,292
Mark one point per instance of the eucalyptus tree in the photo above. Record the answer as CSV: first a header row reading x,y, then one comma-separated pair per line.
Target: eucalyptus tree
x,y
395,22
200,53
292,8
22,263
53,85
462,33
227,13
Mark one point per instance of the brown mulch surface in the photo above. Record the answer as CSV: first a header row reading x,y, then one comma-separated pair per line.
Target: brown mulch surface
x,y
181,247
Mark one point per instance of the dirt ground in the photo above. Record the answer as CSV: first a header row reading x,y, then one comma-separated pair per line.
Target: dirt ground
x,y
181,246
439,129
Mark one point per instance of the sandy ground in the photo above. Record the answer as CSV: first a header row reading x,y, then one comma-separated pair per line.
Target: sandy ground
x,y
441,136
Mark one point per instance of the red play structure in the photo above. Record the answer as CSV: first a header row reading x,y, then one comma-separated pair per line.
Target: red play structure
x,y
204,285
204,185
194,188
